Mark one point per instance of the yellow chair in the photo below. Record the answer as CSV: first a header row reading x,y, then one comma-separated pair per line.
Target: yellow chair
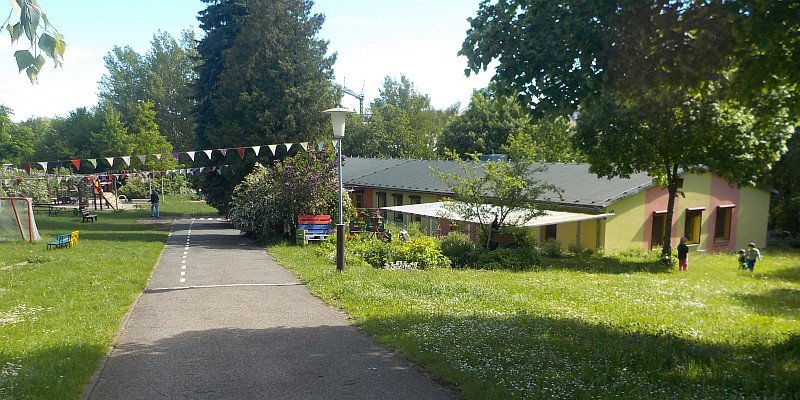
x,y
73,238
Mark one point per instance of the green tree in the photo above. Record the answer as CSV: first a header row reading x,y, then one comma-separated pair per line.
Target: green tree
x,y
263,77
146,139
16,140
163,77
50,43
654,83
491,122
485,191
785,177
271,81
403,123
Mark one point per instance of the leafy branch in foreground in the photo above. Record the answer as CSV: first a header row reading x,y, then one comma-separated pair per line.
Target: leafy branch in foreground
x,y
49,43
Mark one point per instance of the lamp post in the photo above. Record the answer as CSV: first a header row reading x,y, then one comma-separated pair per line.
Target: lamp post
x,y
338,117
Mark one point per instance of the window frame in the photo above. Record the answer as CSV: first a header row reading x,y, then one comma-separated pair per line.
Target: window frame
x,y
397,200
726,212
693,220
657,240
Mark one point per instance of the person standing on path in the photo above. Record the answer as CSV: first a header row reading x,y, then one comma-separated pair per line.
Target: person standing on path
x,y
154,205
683,255
751,256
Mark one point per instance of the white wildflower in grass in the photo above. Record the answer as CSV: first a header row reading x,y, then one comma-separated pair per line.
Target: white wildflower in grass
x,y
19,314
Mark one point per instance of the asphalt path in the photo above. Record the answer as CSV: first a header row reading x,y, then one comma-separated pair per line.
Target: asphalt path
x,y
221,320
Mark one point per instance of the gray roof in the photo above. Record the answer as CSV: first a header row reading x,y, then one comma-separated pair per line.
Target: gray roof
x,y
580,188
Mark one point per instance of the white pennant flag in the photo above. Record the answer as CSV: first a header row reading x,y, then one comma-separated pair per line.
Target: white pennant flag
x,y
43,164
320,145
288,146
208,153
304,145
142,158
257,149
190,154
272,148
110,161
158,156
126,160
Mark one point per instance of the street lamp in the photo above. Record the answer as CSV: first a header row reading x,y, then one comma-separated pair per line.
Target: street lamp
x,y
338,117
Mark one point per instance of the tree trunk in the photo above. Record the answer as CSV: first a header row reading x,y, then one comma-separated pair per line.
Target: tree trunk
x,y
672,189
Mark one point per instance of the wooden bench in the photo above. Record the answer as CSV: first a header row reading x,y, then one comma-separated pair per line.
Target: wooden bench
x,y
314,227
62,240
51,209
86,216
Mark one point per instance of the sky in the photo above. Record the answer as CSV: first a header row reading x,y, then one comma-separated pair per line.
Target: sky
x,y
372,39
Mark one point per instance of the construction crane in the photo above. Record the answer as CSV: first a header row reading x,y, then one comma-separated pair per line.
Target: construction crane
x,y
359,96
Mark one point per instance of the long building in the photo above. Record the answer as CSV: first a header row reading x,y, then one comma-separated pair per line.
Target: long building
x,y
612,214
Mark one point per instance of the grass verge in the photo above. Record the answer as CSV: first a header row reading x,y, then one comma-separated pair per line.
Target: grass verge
x,y
59,309
582,328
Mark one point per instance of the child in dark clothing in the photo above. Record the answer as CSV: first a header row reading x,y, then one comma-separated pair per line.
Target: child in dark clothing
x,y
683,255
742,259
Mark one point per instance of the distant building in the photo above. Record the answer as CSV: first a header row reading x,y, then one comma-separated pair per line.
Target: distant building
x,y
613,214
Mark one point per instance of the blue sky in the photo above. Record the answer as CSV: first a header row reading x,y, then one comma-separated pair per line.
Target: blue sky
x,y
373,39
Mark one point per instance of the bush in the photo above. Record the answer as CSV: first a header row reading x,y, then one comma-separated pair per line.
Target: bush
x,y
425,251
457,247
576,249
135,188
552,248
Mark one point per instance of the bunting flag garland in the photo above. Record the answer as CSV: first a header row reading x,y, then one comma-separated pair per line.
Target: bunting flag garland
x,y
126,160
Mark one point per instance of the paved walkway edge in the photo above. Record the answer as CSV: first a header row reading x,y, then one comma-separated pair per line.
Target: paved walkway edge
x,y
115,340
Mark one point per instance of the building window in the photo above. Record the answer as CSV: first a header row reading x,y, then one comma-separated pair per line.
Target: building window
x,y
722,224
381,202
659,229
694,218
397,199
358,199
549,232
416,200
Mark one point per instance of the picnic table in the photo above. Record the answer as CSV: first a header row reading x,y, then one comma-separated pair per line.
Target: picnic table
x,y
51,209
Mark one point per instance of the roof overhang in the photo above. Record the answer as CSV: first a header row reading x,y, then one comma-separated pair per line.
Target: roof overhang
x,y
439,210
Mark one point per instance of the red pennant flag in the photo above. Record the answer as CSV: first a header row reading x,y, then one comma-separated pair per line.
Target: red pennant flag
x,y
76,163
27,167
240,150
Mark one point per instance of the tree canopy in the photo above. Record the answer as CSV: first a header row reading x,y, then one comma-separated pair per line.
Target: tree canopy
x,y
402,123
658,86
163,76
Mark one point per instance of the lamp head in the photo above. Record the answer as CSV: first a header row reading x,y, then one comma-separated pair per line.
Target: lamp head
x,y
338,117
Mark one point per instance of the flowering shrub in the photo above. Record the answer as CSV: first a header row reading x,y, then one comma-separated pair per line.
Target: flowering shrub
x,y
270,198
417,253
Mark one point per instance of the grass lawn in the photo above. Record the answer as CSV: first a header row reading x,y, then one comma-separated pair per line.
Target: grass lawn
x,y
582,328
59,309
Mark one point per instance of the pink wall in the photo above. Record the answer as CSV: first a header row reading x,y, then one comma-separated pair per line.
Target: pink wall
x,y
656,199
722,193
367,197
